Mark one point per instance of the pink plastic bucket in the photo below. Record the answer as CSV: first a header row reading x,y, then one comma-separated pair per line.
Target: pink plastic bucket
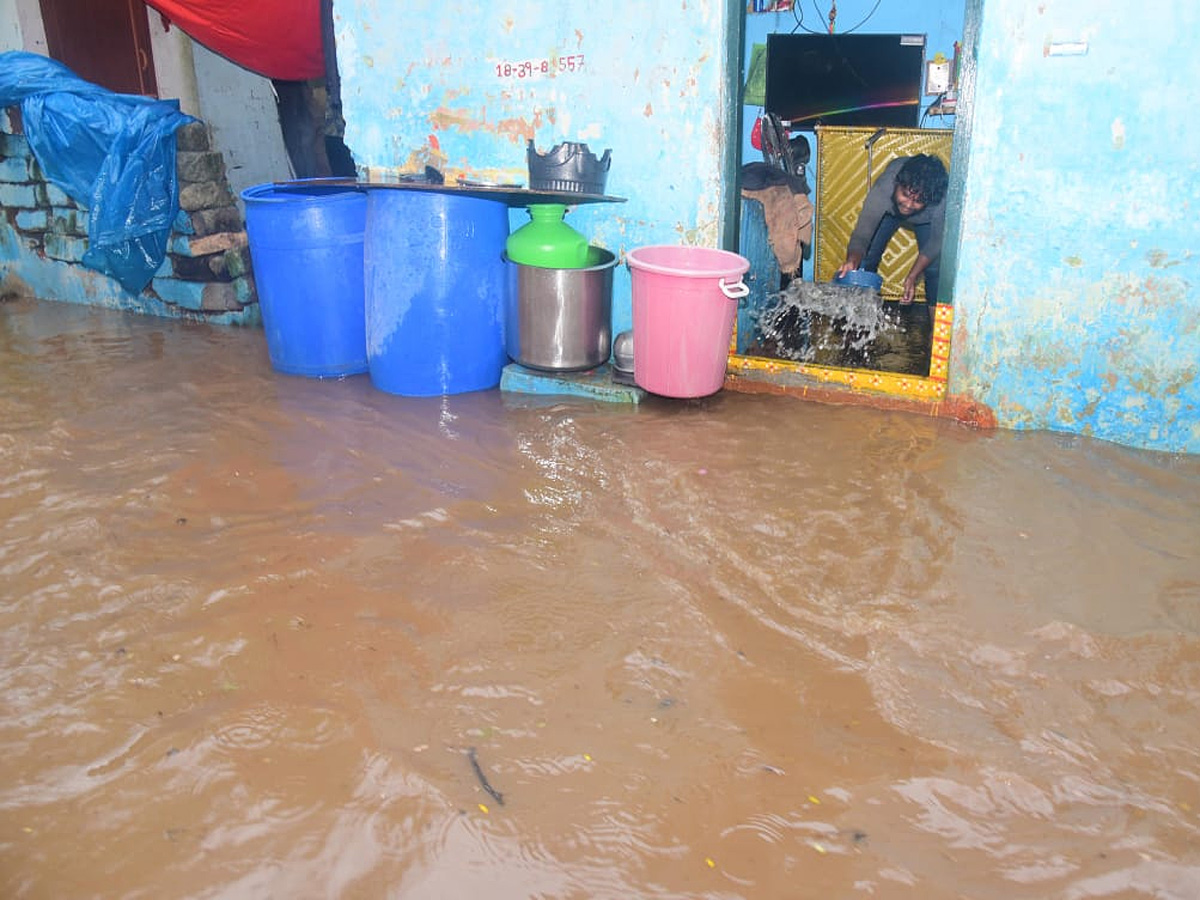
x,y
684,302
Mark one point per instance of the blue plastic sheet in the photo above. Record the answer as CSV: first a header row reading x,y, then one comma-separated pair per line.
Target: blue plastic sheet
x,y
112,153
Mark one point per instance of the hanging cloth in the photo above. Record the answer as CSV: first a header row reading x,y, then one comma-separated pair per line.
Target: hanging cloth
x,y
275,38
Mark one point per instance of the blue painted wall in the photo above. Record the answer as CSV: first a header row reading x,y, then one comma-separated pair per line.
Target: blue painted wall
x,y
1078,284
429,83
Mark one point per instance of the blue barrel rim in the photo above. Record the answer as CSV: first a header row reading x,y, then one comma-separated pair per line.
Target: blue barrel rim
x,y
272,193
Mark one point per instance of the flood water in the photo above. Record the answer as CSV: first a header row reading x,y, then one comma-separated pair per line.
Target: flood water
x,y
255,629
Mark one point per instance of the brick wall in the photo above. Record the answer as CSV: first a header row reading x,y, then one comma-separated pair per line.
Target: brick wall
x,y
206,273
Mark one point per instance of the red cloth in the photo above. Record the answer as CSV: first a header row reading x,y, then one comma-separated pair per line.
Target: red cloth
x,y
275,38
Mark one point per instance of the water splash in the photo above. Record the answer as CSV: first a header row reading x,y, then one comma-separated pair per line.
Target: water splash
x,y
808,320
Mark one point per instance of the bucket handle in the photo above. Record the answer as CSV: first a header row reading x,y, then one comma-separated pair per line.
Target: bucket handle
x,y
734,291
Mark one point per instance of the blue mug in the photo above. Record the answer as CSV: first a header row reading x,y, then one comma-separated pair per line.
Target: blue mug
x,y
860,278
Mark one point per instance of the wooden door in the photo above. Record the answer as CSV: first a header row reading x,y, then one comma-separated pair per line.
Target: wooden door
x,y
106,42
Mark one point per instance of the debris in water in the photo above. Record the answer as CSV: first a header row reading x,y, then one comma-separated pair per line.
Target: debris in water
x,y
491,791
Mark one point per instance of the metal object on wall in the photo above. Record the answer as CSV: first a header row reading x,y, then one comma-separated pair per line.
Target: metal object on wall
x,y
847,160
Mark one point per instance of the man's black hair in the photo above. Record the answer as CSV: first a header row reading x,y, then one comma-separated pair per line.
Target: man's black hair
x,y
924,176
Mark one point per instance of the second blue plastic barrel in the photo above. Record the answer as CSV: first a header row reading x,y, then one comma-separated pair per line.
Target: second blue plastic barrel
x,y
306,245
436,288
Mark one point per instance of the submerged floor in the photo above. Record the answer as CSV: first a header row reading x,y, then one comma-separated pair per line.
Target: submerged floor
x,y
254,629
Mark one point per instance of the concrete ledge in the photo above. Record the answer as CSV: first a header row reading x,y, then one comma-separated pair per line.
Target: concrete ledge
x,y
594,384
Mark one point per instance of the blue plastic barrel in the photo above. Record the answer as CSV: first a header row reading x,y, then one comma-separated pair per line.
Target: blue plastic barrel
x,y
306,244
436,288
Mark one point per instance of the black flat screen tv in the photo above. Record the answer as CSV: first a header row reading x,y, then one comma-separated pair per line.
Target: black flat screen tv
x,y
845,79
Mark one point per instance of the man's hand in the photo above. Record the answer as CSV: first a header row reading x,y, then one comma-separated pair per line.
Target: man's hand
x,y
852,262
910,281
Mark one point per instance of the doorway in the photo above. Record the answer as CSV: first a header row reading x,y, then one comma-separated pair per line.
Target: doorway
x,y
106,42
944,28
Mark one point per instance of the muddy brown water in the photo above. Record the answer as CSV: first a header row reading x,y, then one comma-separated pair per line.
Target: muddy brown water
x,y
253,625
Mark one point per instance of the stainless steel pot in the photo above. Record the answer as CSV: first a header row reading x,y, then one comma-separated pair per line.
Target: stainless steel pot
x,y
560,319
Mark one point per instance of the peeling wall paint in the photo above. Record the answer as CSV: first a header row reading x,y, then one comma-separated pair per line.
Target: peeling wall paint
x,y
1078,287
426,84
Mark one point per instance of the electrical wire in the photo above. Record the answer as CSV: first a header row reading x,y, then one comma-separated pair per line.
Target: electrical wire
x,y
820,15
798,15
866,18
936,103
929,109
